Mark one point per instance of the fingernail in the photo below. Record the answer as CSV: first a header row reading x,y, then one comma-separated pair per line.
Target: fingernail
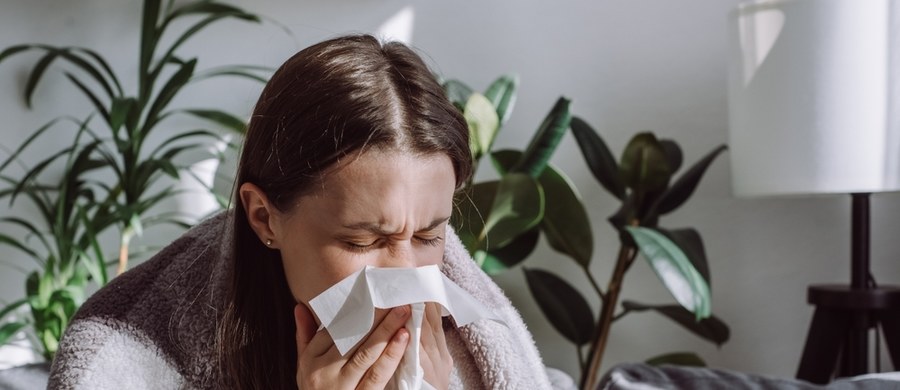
x,y
402,335
401,311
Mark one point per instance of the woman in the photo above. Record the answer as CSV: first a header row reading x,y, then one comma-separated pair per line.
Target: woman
x,y
352,158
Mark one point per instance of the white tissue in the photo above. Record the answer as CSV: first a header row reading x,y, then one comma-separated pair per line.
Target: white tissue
x,y
409,374
347,310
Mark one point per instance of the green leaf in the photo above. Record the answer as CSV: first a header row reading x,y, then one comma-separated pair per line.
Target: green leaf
x,y
207,7
498,260
644,168
93,264
13,50
674,270
690,242
712,328
458,93
684,186
517,207
149,37
562,304
565,221
677,358
34,135
546,139
36,73
598,157
225,119
167,93
32,290
12,306
502,94
674,157
243,71
91,70
119,113
5,239
8,330
483,124
98,105
105,66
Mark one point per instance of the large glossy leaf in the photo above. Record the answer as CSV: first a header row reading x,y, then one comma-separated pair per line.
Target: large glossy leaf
x,y
690,242
502,94
458,93
517,207
644,168
9,329
684,186
711,328
565,221
674,270
598,157
498,260
546,139
674,157
677,358
562,304
483,124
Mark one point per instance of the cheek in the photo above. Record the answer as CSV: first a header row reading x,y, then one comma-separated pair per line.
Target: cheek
x,y
430,255
312,268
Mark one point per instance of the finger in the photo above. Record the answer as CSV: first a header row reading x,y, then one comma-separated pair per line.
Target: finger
x,y
306,327
373,347
383,369
433,329
309,338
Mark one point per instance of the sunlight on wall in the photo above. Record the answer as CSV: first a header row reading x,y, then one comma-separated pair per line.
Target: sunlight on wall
x,y
399,27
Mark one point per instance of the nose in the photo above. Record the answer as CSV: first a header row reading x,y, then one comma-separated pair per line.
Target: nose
x,y
398,254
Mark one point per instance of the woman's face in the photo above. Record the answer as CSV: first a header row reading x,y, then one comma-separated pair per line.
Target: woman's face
x,y
385,209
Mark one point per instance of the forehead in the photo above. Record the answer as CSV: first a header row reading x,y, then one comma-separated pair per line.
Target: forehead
x,y
385,185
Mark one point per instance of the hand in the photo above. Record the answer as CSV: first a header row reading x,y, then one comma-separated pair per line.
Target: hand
x,y
434,356
370,366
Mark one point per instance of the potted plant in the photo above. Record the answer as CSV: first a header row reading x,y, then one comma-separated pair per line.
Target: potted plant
x,y
112,171
500,222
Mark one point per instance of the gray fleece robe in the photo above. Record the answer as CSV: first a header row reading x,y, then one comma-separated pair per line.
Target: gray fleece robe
x,y
154,326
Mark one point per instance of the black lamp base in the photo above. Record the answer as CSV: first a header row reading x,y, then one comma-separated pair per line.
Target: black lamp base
x,y
840,328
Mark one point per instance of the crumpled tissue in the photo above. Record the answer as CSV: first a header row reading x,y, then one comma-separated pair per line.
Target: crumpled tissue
x,y
347,310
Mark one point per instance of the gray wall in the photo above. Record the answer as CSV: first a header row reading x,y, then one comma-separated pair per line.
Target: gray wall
x,y
628,66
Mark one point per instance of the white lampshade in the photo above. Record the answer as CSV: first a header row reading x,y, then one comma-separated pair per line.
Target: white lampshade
x,y
813,97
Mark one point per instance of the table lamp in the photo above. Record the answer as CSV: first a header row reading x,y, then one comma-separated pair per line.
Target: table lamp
x,y
814,108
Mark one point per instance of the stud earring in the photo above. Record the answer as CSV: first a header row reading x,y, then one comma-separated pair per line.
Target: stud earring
x,y
268,242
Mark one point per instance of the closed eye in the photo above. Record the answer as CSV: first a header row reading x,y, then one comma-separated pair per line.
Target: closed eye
x,y
430,241
355,247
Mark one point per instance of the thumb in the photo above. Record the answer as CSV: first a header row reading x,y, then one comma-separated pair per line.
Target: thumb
x,y
306,327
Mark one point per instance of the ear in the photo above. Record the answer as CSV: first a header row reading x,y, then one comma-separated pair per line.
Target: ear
x,y
261,214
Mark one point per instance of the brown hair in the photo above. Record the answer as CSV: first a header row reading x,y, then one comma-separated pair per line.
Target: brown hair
x,y
330,100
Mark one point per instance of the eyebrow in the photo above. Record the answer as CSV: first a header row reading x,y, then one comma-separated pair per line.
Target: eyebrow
x,y
377,229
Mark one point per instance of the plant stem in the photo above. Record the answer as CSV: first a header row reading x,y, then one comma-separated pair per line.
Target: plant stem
x,y
123,253
589,377
594,283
